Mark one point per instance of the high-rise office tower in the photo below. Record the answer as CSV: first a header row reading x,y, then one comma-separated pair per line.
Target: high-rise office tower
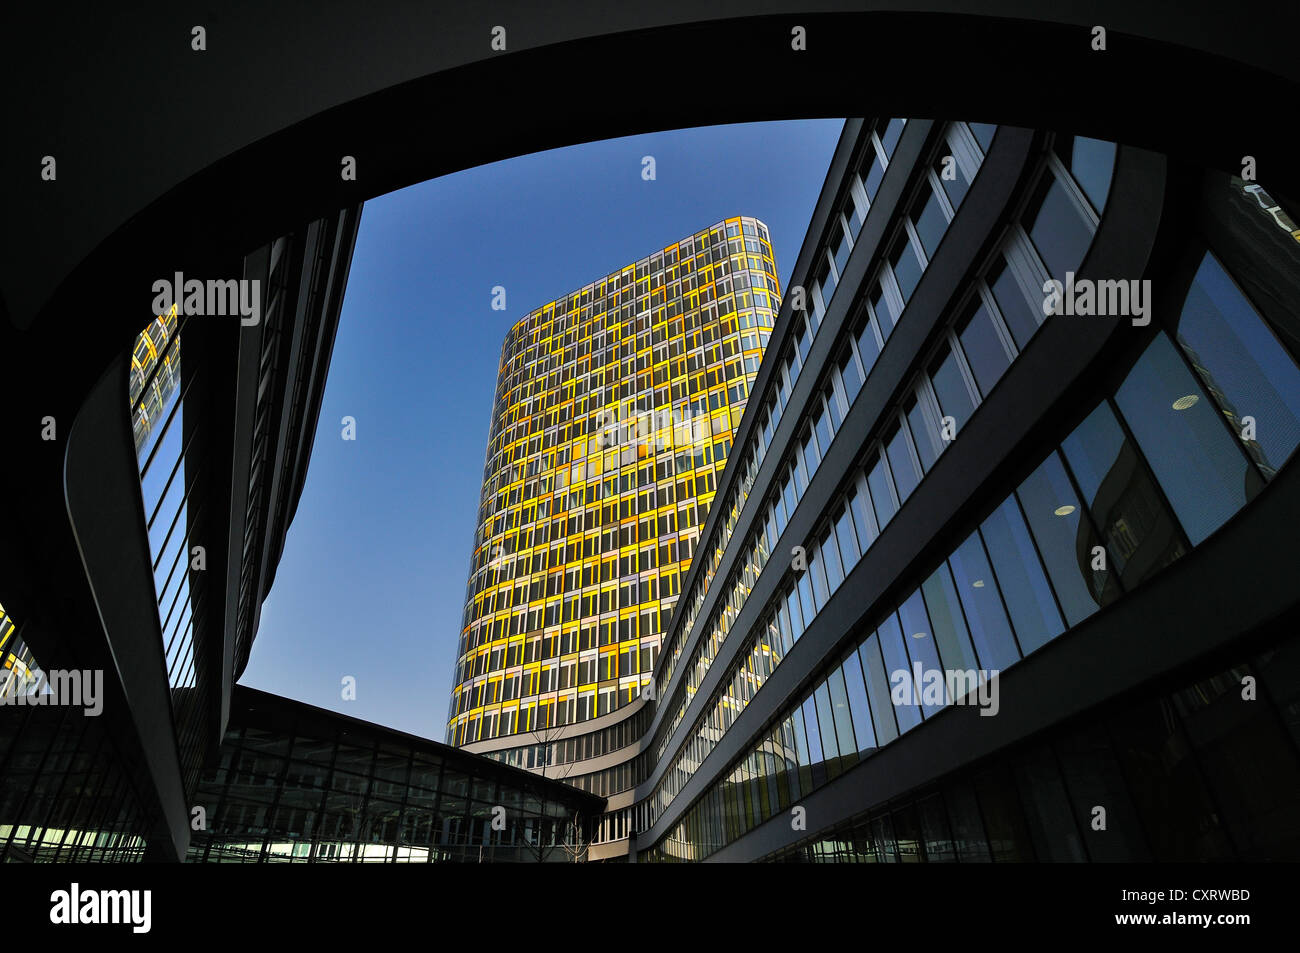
x,y
613,420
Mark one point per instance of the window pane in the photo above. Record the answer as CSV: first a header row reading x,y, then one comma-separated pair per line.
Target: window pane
x,y
907,267
1057,228
1249,763
817,570
967,827
950,389
1020,315
1065,540
929,220
1167,785
945,164
898,670
1003,819
806,598
949,625
1033,611
843,719
841,248
855,683
919,639
826,278
826,723
1196,461
874,172
816,755
884,311
922,435
1091,162
878,688
989,628
846,539
1047,809
900,462
811,458
861,519
983,132
795,613
934,831
866,340
831,560
1092,777
1241,364
849,374
881,499
1138,528
983,349
889,136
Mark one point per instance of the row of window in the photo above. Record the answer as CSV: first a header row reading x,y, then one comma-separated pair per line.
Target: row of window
x,y
828,407
1196,775
593,744
1152,471
790,363
970,358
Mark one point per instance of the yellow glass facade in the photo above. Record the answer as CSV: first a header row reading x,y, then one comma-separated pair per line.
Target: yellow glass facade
x,y
614,413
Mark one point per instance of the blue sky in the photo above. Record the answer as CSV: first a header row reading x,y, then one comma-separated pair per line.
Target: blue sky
x,y
372,580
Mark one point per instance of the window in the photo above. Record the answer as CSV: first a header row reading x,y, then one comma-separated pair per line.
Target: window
x,y
1195,459
1020,315
906,476
865,337
1020,577
983,133
840,251
990,630
951,177
1091,162
873,172
859,504
949,626
929,220
849,374
845,537
1242,365
882,499
896,665
950,390
925,435
1065,539
1057,227
878,690
920,644
1140,533
826,281
890,135
982,346
906,266
859,706
884,309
